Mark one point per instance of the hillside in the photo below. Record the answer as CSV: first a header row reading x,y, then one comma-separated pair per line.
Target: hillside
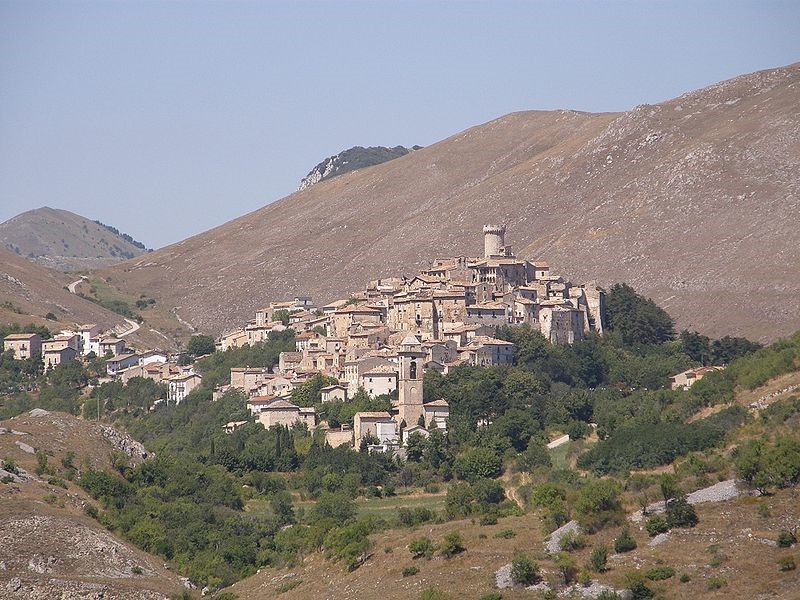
x,y
693,201
30,293
62,240
48,547
354,158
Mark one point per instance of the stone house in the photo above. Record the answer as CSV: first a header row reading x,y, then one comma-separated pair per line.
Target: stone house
x,y
381,425
688,378
283,412
23,345
52,357
334,392
181,385
123,361
111,345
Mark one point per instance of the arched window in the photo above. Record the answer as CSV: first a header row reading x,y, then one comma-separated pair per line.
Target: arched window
x,y
413,369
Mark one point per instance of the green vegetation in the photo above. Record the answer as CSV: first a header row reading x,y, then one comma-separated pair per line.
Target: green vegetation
x,y
624,542
523,570
659,573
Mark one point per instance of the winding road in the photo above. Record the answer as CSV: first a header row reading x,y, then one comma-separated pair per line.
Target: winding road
x,y
71,287
133,326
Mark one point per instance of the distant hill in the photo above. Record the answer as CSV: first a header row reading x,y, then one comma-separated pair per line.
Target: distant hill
x,y
694,201
357,157
62,240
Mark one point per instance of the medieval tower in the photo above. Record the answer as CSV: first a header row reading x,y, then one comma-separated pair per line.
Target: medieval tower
x,y
493,240
409,384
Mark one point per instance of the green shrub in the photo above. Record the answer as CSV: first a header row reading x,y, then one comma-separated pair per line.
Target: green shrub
x,y
639,591
451,545
136,570
505,534
572,541
410,571
288,586
492,596
684,578
523,570
624,542
786,563
608,595
786,539
715,583
680,513
599,558
57,481
421,548
659,573
488,519
50,498
656,525
433,594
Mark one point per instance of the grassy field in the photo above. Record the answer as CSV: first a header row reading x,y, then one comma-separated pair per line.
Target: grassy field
x,y
379,507
559,456
385,507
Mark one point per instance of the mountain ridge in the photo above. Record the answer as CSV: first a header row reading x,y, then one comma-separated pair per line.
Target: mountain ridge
x,y
66,241
589,192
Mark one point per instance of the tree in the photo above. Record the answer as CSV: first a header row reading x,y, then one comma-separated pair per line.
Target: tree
x,y
725,350
636,320
200,345
535,455
624,542
523,570
281,315
477,463
451,545
567,566
598,558
668,484
696,346
598,504
680,513
415,447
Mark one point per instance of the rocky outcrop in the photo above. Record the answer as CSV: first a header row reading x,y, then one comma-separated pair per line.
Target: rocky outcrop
x,y
357,157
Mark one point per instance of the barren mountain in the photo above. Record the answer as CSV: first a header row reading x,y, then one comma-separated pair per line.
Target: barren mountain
x,y
694,201
62,240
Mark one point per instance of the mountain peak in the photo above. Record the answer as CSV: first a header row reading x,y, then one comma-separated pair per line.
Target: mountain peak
x,y
354,158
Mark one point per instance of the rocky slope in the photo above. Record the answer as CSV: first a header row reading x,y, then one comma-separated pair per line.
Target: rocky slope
x,y
62,240
693,201
357,157
48,547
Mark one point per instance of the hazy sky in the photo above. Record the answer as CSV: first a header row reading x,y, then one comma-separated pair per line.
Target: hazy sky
x,y
165,119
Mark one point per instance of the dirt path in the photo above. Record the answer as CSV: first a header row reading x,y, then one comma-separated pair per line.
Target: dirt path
x,y
71,287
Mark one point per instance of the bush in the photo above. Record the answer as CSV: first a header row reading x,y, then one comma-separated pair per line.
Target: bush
x,y
523,570
715,583
680,513
684,578
639,591
410,571
421,548
572,541
786,539
505,534
598,505
624,542
478,463
451,545
656,525
492,596
434,594
136,570
786,563
488,519
598,559
659,573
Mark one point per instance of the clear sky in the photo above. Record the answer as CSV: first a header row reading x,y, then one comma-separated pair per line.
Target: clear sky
x,y
165,119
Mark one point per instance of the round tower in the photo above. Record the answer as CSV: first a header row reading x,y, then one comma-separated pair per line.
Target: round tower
x,y
493,239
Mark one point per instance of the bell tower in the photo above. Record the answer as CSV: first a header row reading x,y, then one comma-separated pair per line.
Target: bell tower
x,y
409,384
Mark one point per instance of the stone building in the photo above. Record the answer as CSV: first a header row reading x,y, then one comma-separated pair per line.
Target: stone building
x,y
23,345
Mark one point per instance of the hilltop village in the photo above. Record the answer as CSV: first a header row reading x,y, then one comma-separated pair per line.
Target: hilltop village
x,y
381,340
